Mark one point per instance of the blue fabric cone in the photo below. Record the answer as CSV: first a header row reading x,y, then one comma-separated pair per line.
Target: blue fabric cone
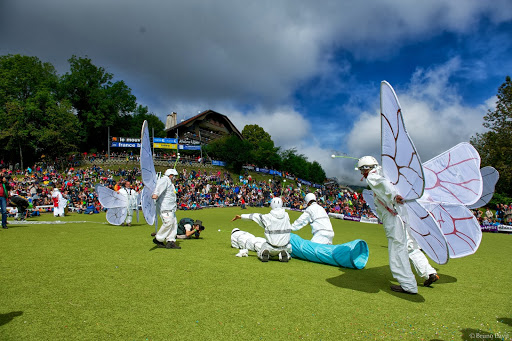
x,y
353,254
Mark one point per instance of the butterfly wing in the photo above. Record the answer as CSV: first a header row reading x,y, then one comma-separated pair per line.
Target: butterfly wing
x,y
146,159
459,226
116,215
370,201
427,233
400,161
148,206
490,177
109,198
148,175
454,176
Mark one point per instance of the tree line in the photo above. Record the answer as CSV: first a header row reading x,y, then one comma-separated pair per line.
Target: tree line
x,y
43,113
257,148
495,145
46,114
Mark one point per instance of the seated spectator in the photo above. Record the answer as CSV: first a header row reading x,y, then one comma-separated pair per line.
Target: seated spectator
x,y
91,209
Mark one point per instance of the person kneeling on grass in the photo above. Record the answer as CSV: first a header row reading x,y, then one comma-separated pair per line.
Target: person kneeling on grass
x,y
276,225
188,227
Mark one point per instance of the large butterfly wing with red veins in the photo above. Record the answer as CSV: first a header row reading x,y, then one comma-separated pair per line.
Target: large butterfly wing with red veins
x,y
454,180
460,227
425,230
454,176
400,161
149,177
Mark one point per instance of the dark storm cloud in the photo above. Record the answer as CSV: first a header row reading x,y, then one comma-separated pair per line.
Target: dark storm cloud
x,y
247,59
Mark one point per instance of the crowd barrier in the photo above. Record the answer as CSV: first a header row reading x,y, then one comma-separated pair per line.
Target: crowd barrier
x,y
352,218
501,228
498,228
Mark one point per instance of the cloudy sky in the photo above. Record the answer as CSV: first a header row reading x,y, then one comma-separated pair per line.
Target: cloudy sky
x,y
308,72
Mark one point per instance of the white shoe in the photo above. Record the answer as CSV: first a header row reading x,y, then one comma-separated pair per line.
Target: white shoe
x,y
243,253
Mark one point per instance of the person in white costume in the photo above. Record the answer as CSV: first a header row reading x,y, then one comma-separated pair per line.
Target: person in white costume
x,y
165,196
316,216
276,225
131,197
401,246
246,242
59,203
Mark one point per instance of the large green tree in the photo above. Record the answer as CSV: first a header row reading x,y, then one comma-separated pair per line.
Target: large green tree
x,y
262,149
296,164
97,99
34,120
230,149
130,125
495,145
316,173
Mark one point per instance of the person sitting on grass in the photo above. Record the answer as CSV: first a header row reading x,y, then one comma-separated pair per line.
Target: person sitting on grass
x,y
277,231
91,209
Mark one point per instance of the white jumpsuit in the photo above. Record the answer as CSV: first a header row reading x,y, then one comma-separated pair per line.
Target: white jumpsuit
x,y
276,225
166,205
321,226
60,201
131,198
400,245
245,240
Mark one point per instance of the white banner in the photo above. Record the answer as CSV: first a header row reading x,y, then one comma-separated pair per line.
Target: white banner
x,y
505,228
369,220
336,215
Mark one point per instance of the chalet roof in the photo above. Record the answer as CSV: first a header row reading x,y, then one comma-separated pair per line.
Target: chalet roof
x,y
207,114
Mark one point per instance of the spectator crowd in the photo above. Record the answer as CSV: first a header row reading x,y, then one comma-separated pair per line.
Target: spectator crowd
x,y
196,189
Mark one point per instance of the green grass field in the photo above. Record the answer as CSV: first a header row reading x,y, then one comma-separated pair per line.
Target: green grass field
x,y
92,281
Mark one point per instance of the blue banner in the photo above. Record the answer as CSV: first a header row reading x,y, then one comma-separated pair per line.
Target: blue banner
x,y
189,147
164,140
125,145
218,163
274,172
261,170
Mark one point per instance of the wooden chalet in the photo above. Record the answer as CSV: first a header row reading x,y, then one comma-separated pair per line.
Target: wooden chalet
x,y
206,126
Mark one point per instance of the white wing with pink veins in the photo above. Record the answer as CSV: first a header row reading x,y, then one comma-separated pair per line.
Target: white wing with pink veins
x,y
400,161
425,230
460,227
454,180
454,176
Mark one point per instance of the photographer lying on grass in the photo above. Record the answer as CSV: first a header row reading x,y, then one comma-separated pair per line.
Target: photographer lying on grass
x,y
188,227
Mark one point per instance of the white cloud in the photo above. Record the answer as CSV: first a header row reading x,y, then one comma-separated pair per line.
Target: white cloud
x,y
434,115
287,127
